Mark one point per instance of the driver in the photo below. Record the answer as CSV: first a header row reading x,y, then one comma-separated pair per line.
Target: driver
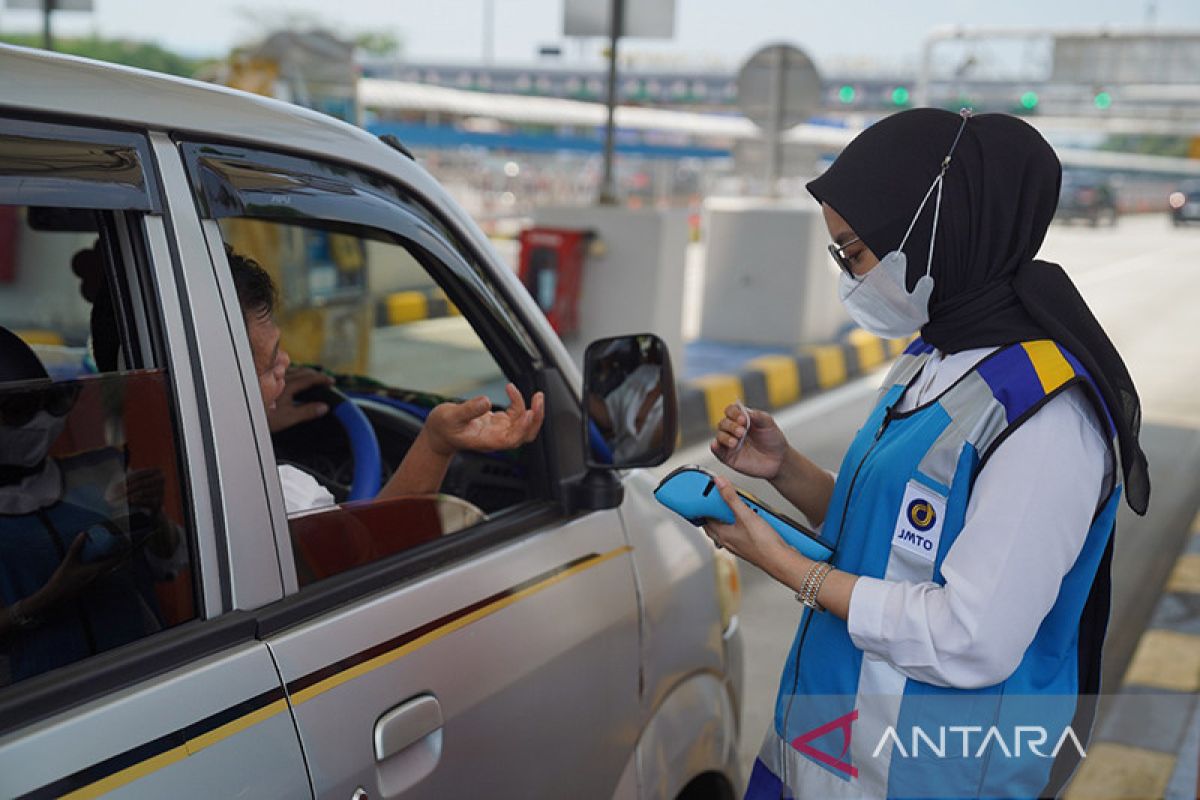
x,y
450,427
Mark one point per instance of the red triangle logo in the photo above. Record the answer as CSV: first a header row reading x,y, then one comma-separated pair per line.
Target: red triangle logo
x,y
843,723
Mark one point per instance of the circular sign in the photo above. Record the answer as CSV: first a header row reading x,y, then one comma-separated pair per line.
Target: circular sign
x,y
778,87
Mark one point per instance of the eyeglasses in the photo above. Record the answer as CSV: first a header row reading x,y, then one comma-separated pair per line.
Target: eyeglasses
x,y
839,255
18,406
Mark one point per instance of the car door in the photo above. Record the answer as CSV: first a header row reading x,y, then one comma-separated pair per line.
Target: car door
x,y
423,658
128,658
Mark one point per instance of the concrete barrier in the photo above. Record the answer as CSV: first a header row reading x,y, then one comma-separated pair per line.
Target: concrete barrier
x,y
397,308
769,382
773,382
767,259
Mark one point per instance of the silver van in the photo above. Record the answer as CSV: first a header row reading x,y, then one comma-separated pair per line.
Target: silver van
x,y
541,629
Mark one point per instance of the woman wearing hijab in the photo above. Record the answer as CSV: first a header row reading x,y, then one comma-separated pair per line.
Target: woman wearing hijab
x,y
949,646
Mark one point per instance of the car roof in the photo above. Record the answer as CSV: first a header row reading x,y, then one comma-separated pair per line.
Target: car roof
x,y
53,83
41,83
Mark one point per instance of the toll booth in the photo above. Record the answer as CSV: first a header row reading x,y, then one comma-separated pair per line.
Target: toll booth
x,y
551,268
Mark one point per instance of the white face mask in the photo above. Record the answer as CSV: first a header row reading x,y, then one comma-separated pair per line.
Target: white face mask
x,y
879,302
26,446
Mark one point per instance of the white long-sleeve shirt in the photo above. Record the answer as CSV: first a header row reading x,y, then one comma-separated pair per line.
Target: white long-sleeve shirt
x,y
301,491
1025,525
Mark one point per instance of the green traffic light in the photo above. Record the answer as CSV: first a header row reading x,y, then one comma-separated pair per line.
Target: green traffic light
x,y
1103,100
1029,101
846,94
900,96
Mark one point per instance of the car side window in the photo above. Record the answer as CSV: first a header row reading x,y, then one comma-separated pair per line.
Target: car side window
x,y
366,286
95,543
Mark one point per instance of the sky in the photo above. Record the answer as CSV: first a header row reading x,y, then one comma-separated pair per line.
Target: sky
x,y
719,33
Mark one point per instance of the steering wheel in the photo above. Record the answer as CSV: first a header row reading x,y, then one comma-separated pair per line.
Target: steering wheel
x,y
364,446
365,452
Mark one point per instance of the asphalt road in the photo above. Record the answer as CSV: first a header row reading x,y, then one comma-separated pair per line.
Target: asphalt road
x,y
1142,280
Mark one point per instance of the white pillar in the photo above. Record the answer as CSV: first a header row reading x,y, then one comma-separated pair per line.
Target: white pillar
x,y
637,285
768,278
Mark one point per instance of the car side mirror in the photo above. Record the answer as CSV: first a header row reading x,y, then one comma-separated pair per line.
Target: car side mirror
x,y
630,410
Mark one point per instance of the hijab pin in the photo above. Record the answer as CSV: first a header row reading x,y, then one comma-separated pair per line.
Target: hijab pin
x,y
965,113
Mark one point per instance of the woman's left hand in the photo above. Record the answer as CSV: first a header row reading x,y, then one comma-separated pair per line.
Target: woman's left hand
x,y
749,536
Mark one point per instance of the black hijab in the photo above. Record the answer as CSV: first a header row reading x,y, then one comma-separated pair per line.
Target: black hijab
x,y
998,197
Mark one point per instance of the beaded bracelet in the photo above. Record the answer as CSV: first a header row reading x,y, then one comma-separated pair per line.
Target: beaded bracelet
x,y
811,587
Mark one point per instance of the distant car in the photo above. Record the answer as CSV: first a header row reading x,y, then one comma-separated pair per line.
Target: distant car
x,y
1087,197
1185,203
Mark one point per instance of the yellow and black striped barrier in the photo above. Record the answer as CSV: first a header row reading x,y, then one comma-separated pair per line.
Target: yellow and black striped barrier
x,y
773,382
412,305
1141,747
40,337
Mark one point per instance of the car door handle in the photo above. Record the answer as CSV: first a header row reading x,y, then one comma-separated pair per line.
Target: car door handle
x,y
407,724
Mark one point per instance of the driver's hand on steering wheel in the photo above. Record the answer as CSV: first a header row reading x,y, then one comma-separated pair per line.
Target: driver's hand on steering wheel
x,y
472,425
287,412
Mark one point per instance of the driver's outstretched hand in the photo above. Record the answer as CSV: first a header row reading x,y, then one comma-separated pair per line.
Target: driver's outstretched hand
x,y
472,425
287,412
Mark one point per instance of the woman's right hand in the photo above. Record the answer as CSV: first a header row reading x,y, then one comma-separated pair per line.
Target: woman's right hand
x,y
763,452
70,578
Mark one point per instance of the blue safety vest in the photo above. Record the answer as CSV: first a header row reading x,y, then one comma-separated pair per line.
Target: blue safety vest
x,y
113,609
850,725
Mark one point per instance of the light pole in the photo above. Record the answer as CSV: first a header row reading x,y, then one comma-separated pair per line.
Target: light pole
x,y
489,30
608,190
47,34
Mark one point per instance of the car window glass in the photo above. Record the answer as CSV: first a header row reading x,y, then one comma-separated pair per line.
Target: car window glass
x,y
366,306
95,544
370,308
234,182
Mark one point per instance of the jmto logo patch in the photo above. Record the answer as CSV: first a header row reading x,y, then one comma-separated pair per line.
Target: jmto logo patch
x,y
919,526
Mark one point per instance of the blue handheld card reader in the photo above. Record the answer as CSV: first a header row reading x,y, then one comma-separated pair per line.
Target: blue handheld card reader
x,y
692,493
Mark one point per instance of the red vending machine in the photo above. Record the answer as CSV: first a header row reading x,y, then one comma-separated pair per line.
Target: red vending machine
x,y
551,268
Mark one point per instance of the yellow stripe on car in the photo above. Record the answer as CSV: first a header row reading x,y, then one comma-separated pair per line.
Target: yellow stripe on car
x,y
199,743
